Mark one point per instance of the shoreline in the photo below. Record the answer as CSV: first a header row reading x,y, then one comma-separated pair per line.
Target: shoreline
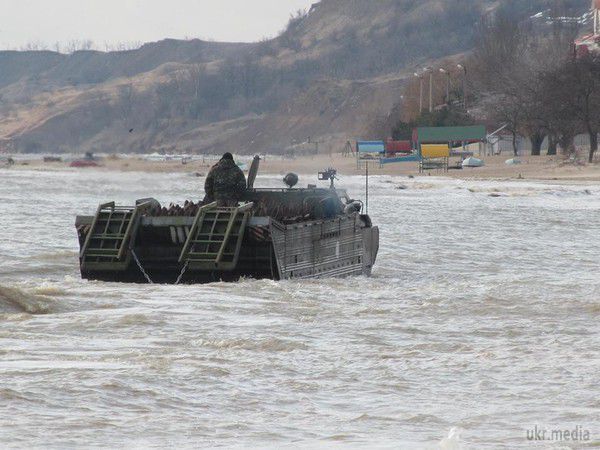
x,y
533,168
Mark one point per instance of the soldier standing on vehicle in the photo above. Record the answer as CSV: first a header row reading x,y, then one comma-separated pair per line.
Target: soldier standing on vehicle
x,y
225,182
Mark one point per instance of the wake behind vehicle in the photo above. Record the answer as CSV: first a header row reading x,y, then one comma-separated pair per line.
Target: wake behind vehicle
x,y
273,233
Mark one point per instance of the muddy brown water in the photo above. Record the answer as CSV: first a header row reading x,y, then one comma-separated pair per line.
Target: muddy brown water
x,y
480,323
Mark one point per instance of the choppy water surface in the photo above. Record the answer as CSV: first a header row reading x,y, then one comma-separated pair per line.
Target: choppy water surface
x,y
481,319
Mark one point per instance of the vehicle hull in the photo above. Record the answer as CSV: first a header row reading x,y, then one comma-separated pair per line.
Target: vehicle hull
x,y
345,245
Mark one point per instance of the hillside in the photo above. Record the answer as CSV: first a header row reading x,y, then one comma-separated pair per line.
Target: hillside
x,y
328,77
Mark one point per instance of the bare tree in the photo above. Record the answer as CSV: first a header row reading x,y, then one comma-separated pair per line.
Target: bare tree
x,y
580,82
122,46
33,46
562,124
507,67
76,45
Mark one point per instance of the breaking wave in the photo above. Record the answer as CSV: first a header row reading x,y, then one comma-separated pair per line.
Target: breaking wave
x,y
15,300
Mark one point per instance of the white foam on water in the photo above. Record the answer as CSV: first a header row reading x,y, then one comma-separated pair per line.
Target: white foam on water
x,y
452,441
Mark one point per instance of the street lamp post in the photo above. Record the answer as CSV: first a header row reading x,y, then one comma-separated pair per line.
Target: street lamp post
x,y
420,77
464,83
447,73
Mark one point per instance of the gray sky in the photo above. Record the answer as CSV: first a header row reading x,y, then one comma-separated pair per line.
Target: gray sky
x,y
114,21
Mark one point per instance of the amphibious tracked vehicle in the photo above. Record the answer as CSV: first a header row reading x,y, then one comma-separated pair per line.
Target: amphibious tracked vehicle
x,y
274,233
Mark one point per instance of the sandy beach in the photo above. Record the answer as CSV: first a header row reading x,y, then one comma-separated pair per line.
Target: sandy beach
x,y
531,168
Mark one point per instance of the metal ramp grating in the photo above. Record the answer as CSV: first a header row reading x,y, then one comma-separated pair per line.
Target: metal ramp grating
x,y
215,239
106,245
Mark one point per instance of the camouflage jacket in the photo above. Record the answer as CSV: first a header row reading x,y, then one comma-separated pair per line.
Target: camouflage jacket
x,y
225,182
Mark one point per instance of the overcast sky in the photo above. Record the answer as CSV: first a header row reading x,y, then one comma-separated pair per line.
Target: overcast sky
x,y
114,21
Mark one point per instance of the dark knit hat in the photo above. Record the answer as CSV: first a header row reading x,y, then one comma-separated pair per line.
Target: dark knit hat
x,y
228,156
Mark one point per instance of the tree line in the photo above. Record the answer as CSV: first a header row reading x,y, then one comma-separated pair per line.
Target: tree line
x,y
522,76
533,82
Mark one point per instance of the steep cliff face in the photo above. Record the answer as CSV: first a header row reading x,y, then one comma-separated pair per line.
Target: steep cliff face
x,y
332,72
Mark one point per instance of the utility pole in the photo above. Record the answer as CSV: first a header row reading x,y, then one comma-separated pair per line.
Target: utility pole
x,y
420,77
464,69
